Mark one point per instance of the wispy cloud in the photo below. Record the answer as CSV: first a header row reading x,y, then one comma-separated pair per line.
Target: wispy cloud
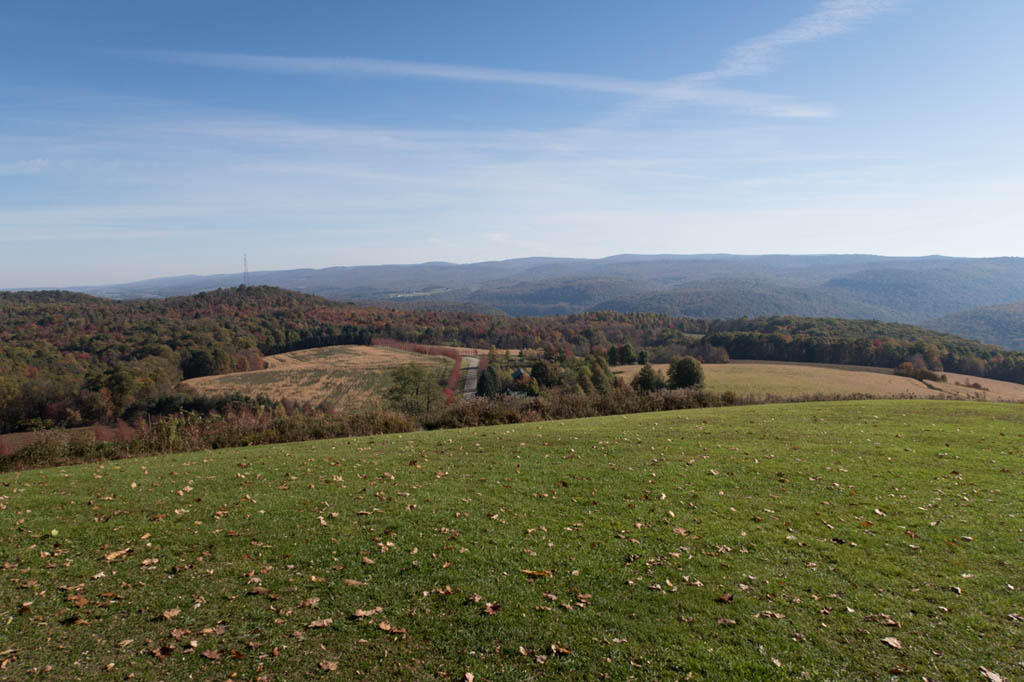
x,y
758,55
693,91
831,17
396,68
23,167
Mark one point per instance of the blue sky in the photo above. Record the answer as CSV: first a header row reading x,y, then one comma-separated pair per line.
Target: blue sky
x,y
142,139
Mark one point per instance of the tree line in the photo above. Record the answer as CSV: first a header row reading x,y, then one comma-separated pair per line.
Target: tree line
x,y
70,359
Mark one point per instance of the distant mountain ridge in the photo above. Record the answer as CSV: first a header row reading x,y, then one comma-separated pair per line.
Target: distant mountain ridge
x,y
929,290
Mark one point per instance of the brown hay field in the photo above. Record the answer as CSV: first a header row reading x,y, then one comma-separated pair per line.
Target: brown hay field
x,y
338,377
753,377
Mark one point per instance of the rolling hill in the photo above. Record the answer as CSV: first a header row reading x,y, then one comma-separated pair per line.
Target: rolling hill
x,y
712,286
1002,325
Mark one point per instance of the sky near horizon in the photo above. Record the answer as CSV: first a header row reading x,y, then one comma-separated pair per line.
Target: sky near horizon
x,y
142,139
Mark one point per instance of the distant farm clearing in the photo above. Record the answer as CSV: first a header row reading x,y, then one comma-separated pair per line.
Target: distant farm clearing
x,y
791,379
340,377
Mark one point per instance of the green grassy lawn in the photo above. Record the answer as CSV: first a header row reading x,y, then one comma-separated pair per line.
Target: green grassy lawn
x,y
747,543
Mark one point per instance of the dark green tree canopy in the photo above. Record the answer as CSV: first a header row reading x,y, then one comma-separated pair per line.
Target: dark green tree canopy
x,y
685,372
648,379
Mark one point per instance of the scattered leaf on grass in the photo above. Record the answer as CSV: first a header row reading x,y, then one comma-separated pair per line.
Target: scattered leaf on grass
x,y
114,556
366,613
329,666
990,675
538,574
172,613
893,642
164,651
769,614
321,623
211,654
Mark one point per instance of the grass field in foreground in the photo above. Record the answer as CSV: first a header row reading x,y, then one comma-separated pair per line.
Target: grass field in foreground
x,y
831,541
792,379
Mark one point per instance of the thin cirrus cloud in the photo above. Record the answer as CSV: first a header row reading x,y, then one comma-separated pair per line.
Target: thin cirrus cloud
x,y
664,91
758,55
830,18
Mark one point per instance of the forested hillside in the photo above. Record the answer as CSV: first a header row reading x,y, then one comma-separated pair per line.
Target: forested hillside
x,y
72,359
713,286
1002,325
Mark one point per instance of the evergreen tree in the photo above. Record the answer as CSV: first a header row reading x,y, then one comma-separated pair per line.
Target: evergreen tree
x,y
648,379
489,384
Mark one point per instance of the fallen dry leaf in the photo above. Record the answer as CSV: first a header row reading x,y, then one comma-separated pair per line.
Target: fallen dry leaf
x,y
329,666
211,654
114,556
538,574
164,651
172,613
321,623
893,642
884,619
366,613
990,675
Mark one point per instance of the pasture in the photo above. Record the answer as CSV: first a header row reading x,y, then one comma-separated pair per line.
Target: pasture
x,y
825,541
338,377
794,379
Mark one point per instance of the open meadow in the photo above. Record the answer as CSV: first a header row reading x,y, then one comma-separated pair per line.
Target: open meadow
x,y
338,377
829,541
794,379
